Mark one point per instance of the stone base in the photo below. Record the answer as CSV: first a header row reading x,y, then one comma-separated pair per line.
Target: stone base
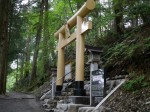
x,y
75,107
86,109
79,89
79,92
80,99
58,90
58,93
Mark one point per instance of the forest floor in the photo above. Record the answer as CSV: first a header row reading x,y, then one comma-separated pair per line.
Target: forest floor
x,y
123,101
19,102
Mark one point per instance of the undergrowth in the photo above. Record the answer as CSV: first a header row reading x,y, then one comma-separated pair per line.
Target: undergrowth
x,y
25,86
135,83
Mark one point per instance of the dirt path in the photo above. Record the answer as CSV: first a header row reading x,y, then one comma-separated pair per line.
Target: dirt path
x,y
18,102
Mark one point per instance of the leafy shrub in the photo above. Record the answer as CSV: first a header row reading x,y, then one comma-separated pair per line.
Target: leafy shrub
x,y
142,9
135,83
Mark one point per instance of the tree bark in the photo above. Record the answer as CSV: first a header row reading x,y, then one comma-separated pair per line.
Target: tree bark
x,y
37,42
45,39
22,66
17,69
27,58
119,16
3,44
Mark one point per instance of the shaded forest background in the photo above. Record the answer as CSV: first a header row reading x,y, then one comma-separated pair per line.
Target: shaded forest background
x,y
28,47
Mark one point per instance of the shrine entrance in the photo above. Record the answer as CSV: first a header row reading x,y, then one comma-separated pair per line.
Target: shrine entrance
x,y
65,38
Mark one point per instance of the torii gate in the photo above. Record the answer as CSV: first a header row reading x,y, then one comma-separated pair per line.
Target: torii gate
x,y
65,38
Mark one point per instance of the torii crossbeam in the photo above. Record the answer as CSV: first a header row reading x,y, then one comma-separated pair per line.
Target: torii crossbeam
x,y
65,38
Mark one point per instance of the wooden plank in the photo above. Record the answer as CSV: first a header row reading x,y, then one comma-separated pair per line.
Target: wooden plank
x,y
80,48
67,31
61,30
83,11
60,62
68,40
122,82
86,26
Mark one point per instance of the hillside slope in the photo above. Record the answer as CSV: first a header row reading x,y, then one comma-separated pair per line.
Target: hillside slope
x,y
130,54
122,101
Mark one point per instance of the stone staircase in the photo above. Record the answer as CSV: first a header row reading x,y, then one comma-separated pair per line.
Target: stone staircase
x,y
56,104
66,102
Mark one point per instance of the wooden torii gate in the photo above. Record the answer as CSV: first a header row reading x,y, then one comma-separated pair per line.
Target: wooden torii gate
x,y
65,38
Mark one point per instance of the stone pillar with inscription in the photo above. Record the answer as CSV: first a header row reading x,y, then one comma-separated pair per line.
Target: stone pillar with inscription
x,y
94,60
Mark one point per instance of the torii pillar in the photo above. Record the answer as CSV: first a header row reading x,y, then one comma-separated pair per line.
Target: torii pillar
x,y
65,39
80,47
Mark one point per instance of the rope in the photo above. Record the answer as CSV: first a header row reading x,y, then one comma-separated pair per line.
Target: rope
x,y
64,76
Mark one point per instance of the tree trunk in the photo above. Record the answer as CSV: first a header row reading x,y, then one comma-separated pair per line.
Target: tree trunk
x,y
45,39
22,66
17,69
37,42
3,44
118,8
27,58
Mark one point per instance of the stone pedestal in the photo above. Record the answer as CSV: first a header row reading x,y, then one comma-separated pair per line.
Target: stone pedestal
x,y
79,89
80,99
53,81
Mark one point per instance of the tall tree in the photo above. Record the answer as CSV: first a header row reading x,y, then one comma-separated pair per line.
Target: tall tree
x,y
22,66
118,8
27,57
3,44
37,42
45,39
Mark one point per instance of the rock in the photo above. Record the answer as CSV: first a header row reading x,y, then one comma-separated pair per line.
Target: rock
x,y
42,89
61,101
63,107
147,103
103,109
75,107
49,110
46,105
86,109
46,100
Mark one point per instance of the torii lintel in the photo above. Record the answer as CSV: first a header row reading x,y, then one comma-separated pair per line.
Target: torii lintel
x,y
83,12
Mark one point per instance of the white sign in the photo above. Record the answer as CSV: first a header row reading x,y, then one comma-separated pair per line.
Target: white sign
x,y
68,71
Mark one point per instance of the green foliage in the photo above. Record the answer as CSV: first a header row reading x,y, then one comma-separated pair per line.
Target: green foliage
x,y
141,9
11,79
136,83
22,85
28,67
102,18
133,42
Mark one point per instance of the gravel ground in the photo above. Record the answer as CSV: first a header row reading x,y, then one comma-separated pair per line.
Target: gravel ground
x,y
18,102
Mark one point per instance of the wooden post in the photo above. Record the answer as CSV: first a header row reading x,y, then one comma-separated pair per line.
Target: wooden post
x,y
80,47
60,66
